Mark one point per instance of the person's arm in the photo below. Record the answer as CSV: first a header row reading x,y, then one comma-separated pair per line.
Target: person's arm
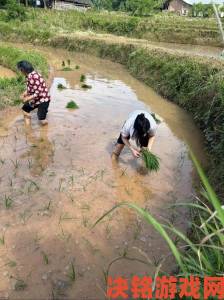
x,y
151,141
135,152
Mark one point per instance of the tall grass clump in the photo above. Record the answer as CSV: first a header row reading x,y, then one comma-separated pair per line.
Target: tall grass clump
x,y
201,253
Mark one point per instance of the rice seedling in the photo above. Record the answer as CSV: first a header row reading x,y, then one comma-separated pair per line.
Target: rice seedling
x,y
60,86
86,86
20,285
25,216
82,78
151,160
63,64
33,186
77,67
8,202
72,273
65,217
11,264
68,62
15,163
72,105
64,236
45,258
85,221
2,239
66,69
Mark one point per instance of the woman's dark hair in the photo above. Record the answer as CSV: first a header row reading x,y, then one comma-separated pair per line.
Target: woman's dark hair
x,y
25,66
141,130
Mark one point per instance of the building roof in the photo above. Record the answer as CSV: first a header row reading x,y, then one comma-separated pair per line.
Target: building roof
x,y
191,2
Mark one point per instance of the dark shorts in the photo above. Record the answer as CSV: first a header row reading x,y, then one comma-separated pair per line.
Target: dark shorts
x,y
144,143
42,109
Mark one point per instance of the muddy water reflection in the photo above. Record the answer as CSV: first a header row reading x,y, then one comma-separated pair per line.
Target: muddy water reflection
x,y
61,179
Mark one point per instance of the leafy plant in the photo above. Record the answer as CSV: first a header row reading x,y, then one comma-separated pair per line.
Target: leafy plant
x,y
72,105
151,160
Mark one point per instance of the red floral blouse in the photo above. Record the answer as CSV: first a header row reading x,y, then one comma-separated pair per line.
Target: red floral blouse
x,y
36,86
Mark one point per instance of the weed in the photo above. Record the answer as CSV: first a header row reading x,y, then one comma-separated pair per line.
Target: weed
x,y
72,105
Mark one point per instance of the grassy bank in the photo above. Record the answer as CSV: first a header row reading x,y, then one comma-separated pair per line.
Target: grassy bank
x,y
10,89
43,24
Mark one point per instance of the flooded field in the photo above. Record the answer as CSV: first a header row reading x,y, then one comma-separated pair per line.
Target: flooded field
x,y
57,180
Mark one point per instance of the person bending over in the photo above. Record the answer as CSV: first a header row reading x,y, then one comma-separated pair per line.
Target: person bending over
x,y
36,94
140,127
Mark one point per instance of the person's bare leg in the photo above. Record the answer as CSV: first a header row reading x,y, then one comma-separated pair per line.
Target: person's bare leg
x,y
117,151
27,118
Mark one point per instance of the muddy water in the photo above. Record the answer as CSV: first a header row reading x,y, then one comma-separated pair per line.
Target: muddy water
x,y
6,73
57,180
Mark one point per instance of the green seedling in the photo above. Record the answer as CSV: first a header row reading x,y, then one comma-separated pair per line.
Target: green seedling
x,y
15,163
71,273
86,86
82,78
77,67
45,258
8,202
66,69
69,62
151,160
20,285
60,86
72,105
2,239
63,64
11,264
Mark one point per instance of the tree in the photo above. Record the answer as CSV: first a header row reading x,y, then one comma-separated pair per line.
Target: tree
x,y
143,7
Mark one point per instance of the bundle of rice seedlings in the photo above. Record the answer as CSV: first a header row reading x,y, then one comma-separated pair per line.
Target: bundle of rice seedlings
x,y
86,86
63,64
77,67
82,78
72,105
150,159
60,86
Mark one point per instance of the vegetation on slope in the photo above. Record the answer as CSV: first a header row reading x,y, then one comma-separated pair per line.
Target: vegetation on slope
x,y
10,89
46,24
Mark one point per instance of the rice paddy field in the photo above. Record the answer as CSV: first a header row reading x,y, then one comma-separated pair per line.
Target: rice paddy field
x,y
58,180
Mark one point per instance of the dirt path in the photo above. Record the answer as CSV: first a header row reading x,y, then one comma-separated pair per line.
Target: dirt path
x,y
57,180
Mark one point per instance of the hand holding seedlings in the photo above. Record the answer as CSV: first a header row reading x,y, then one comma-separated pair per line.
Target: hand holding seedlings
x,y
140,127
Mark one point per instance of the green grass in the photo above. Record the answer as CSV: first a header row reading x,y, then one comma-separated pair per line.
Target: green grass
x,y
10,89
151,160
72,105
43,25
201,254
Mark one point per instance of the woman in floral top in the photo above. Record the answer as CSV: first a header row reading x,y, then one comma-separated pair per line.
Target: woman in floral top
x,y
36,94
